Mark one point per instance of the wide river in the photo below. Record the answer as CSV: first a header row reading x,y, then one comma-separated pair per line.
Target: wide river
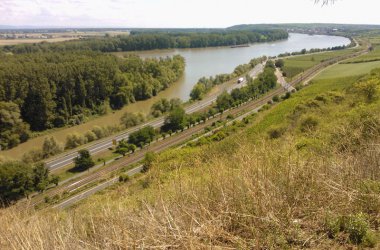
x,y
213,61
199,63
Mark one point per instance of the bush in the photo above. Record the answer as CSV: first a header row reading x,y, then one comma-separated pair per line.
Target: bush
x,y
33,155
276,132
124,178
90,136
74,140
356,226
309,124
276,98
51,147
129,120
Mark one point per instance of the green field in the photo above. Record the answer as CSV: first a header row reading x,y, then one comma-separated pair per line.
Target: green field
x,y
374,55
347,70
297,64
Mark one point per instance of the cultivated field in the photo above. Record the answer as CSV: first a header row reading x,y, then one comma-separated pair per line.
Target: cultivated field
x,y
4,42
348,70
297,64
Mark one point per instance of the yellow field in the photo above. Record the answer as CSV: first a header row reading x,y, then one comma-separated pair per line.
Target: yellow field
x,y
4,42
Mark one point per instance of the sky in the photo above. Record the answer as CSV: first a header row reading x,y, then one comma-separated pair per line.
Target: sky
x,y
182,13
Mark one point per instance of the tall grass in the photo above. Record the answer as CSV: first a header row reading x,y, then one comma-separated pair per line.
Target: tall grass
x,y
317,189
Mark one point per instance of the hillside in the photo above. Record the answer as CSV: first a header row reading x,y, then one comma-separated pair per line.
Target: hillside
x,y
302,174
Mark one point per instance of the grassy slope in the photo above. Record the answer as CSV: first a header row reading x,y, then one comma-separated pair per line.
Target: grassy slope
x,y
246,191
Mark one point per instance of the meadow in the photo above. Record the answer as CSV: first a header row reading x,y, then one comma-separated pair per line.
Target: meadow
x,y
297,64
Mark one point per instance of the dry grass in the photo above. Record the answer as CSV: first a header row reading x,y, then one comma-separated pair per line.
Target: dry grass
x,y
246,192
4,42
270,197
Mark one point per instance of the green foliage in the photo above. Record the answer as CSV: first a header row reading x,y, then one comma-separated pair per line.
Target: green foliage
x,y
276,132
51,147
309,124
356,226
124,178
83,161
204,84
176,120
12,129
142,137
368,88
279,63
224,101
129,120
149,158
164,105
124,147
149,40
63,88
90,136
74,140
18,180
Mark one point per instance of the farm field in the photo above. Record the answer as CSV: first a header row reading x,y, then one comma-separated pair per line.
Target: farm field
x,y
297,64
348,70
4,42
371,56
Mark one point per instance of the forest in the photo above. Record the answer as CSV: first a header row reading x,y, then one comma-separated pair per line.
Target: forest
x,y
155,40
55,89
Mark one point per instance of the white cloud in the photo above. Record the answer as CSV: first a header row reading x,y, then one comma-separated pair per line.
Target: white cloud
x,y
181,13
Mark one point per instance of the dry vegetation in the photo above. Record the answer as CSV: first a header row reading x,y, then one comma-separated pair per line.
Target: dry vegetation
x,y
314,185
4,42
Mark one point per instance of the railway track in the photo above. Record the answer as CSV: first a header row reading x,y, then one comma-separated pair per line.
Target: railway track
x,y
185,135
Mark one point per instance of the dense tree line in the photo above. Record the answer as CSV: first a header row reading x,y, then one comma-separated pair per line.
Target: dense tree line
x,y
156,40
56,89
204,85
19,180
177,119
259,86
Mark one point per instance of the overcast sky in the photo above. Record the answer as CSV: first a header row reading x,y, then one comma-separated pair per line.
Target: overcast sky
x,y
182,13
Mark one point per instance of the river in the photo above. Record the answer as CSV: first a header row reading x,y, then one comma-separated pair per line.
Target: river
x,y
199,63
213,61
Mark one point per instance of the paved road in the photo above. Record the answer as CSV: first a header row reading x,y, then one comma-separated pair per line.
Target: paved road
x,y
71,201
103,145
251,107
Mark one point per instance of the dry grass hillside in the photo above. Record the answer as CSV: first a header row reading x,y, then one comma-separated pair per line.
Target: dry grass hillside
x,y
303,174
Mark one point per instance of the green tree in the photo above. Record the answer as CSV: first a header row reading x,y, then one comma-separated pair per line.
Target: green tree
x,y
197,92
12,129
176,120
224,101
40,177
51,147
84,160
129,120
149,158
142,137
280,63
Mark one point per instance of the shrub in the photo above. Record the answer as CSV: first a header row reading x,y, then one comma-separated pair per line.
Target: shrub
x,y
129,120
309,124
124,178
276,98
74,140
33,155
276,132
51,147
90,136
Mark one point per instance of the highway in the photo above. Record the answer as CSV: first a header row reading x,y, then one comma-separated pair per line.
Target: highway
x,y
248,107
68,158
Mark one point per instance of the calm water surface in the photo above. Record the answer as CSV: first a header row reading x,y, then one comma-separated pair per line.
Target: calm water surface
x,y
213,61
